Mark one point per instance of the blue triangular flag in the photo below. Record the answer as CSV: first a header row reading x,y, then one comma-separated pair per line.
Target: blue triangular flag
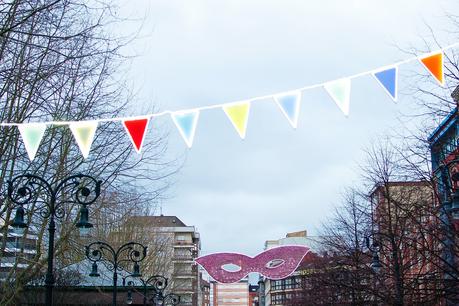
x,y
289,104
186,122
388,79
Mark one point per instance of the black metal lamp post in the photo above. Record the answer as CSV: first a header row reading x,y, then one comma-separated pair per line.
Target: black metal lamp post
x,y
374,247
133,252
159,284
29,189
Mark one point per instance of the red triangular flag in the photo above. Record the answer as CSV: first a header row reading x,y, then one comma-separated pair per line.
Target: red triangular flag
x,y
434,63
136,129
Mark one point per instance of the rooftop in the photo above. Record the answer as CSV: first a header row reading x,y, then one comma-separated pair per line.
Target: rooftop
x,y
160,221
295,238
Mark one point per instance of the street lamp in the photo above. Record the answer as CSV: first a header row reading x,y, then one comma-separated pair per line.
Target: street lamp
x,y
29,189
129,252
159,284
374,247
84,225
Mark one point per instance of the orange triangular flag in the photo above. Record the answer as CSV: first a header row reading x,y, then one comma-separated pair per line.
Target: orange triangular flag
x,y
434,64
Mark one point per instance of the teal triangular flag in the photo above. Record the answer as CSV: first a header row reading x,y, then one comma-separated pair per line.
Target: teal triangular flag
x,y
31,136
340,91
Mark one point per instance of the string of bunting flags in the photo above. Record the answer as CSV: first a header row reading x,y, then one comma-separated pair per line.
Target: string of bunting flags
x,y
237,112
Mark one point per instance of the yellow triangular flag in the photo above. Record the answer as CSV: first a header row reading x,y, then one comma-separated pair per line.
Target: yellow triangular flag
x,y
238,114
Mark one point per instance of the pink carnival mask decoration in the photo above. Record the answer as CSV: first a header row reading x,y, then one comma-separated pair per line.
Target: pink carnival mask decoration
x,y
276,263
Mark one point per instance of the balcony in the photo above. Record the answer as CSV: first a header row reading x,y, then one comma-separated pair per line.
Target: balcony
x,y
184,274
184,243
183,258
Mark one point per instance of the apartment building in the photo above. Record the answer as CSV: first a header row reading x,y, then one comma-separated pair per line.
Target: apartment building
x,y
205,292
277,292
404,225
176,245
19,251
235,294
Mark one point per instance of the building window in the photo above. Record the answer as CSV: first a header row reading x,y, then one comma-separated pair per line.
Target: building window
x,y
277,298
277,285
289,283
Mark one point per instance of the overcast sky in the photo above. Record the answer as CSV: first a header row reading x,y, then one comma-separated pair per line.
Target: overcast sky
x,y
239,193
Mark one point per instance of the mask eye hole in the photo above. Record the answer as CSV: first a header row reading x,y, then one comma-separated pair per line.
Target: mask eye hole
x,y
275,263
231,267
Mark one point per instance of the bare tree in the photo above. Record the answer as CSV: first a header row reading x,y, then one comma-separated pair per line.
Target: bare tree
x,y
59,61
400,218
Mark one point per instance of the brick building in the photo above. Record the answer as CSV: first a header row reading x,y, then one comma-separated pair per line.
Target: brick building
x,y
405,230
253,295
205,292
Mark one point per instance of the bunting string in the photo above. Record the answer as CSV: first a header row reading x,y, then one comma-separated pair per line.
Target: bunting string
x,y
237,112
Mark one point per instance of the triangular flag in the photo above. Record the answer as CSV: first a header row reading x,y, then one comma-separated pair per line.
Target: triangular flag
x,y
340,91
186,122
238,114
388,80
32,134
434,64
136,129
289,104
84,135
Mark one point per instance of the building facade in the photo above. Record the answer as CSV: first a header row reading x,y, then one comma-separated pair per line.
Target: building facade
x,y
205,292
236,294
20,250
406,232
253,295
444,146
279,292
176,245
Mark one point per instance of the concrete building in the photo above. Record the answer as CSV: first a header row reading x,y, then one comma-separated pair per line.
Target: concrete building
x,y
178,244
236,294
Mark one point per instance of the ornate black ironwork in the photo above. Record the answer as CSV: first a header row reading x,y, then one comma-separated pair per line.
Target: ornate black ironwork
x,y
159,284
99,251
27,189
